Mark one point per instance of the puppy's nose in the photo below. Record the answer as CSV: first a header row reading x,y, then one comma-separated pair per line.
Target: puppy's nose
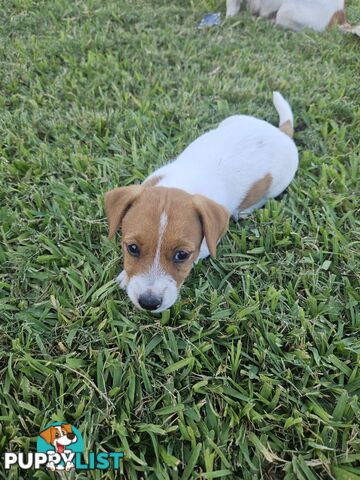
x,y
148,301
71,436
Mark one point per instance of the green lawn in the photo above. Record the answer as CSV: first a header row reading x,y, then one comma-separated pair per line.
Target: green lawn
x,y
254,373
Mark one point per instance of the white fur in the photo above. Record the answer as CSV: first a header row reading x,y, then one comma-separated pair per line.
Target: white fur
x,y
63,439
292,14
122,280
224,163
232,7
161,283
283,109
155,281
162,227
296,14
264,8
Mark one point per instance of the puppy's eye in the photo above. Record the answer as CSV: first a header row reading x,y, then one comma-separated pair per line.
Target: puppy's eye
x,y
57,434
181,256
133,249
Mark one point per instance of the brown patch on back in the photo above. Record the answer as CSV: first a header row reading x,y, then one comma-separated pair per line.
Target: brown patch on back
x,y
287,128
337,19
256,192
152,181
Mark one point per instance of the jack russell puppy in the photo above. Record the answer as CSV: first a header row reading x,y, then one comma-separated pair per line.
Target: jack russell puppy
x,y
295,14
181,211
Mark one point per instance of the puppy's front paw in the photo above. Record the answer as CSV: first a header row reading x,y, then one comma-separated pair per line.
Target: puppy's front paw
x,y
50,466
240,215
122,280
69,466
204,251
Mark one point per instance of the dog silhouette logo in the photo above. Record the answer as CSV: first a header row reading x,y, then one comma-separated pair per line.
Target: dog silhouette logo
x,y
61,442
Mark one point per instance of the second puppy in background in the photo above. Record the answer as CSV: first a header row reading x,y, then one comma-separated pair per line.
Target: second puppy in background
x,y
295,14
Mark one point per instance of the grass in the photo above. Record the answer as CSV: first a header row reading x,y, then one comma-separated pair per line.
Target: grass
x,y
254,373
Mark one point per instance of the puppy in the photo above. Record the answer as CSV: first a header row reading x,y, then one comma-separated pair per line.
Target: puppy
x,y
296,14
317,15
59,437
181,211
265,8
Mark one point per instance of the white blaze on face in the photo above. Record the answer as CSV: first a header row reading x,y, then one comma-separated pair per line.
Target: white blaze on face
x,y
155,281
156,269
63,439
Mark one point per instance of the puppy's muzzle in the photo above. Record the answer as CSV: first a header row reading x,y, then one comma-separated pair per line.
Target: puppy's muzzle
x,y
149,301
71,436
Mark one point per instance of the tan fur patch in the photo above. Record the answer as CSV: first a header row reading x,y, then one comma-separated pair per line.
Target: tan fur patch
x,y
189,219
337,19
48,435
256,192
141,226
117,202
214,220
151,182
287,128
67,427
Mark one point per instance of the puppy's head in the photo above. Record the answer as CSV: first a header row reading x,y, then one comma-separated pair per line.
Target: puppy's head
x,y
162,230
59,436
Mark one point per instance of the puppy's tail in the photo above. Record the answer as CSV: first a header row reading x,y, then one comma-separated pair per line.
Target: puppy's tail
x,y
286,122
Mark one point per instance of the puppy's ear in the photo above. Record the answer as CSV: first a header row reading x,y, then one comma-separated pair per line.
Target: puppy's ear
x,y
48,435
117,203
214,220
67,427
